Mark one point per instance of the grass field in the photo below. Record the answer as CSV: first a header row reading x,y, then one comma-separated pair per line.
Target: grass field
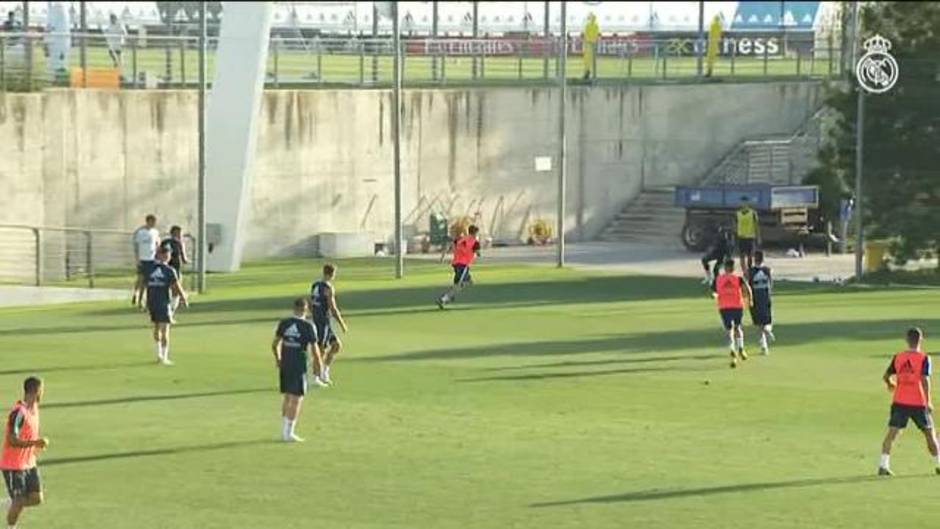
x,y
544,398
291,66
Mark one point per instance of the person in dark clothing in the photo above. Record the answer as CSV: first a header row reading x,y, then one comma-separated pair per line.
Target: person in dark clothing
x,y
721,250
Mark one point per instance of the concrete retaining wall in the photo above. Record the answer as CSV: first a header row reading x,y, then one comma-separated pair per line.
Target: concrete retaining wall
x,y
105,159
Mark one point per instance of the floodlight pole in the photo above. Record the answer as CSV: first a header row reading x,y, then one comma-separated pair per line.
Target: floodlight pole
x,y
859,155
396,136
201,213
562,138
859,150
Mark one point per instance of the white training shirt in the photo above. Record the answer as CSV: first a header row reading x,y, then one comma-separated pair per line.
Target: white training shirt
x,y
115,35
146,240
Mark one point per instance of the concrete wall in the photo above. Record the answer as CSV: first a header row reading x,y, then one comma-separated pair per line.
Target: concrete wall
x,y
104,159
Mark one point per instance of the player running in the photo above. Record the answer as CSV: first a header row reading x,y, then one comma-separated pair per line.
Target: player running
x,y
174,243
294,347
466,249
21,444
324,311
721,251
908,375
761,283
733,292
162,284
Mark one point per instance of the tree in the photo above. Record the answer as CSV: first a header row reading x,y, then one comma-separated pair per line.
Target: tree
x,y
901,173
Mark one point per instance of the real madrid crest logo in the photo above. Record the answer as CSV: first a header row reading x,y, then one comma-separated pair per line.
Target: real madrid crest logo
x,y
877,71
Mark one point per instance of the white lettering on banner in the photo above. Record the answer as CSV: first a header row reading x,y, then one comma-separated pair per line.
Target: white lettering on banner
x,y
744,46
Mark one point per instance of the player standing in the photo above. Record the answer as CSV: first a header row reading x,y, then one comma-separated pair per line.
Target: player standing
x,y
324,310
21,444
721,251
174,243
747,227
908,375
732,292
761,283
146,239
466,249
295,344
162,284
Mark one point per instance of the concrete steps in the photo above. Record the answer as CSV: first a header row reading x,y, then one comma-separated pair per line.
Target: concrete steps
x,y
651,218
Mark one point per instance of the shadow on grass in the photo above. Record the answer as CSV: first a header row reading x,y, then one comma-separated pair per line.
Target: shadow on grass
x,y
583,374
73,369
57,461
589,289
669,494
673,340
153,398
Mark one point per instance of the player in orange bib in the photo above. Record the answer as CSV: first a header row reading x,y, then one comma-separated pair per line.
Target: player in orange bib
x,y
908,376
21,444
733,294
466,249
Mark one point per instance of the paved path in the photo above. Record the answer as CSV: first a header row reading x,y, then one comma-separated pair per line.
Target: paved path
x,y
14,296
637,258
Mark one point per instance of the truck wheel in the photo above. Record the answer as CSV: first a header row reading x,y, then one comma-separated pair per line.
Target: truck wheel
x,y
694,237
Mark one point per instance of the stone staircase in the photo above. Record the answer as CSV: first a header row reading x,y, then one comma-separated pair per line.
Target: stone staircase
x,y
650,218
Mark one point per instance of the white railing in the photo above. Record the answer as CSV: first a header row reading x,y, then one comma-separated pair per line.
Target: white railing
x,y
39,255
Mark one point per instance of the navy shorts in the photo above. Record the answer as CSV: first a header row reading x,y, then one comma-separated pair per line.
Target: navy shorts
x,y
746,246
144,267
293,381
22,483
731,317
160,312
325,335
461,274
902,413
761,314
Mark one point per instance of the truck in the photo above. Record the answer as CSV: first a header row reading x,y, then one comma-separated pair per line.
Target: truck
x,y
787,214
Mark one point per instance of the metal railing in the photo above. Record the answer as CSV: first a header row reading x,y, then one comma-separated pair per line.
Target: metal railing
x,y
30,61
783,161
42,255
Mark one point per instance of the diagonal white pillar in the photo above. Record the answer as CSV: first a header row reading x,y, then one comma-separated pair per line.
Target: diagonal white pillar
x,y
231,127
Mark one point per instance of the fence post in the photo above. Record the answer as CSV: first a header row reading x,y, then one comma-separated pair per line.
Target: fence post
x,y
665,64
39,256
277,56
362,63
182,64
798,63
404,51
765,61
134,61
630,66
3,61
482,63
733,54
319,61
830,62
520,62
443,69
89,259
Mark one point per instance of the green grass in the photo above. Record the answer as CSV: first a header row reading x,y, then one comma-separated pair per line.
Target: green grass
x,y
544,398
294,66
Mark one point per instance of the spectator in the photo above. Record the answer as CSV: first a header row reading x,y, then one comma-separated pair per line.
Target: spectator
x,y
115,35
10,25
589,37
